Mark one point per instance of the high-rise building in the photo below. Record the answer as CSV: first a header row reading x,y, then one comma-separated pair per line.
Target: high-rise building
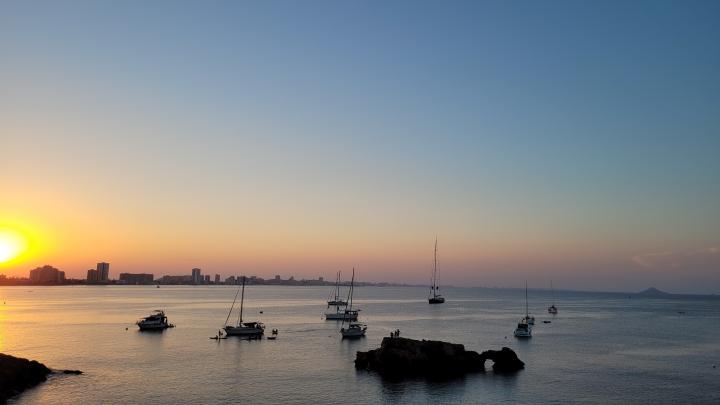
x,y
207,279
103,270
92,276
217,279
47,275
197,276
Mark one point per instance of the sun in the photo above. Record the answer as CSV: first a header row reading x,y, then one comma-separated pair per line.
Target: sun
x,y
12,244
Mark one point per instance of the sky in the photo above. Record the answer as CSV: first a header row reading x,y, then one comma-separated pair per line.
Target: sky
x,y
576,141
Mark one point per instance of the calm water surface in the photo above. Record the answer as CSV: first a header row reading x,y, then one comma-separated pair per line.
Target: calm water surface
x,y
600,348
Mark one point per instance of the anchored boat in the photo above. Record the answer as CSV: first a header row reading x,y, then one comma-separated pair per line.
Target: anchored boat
x,y
354,329
245,329
156,321
434,297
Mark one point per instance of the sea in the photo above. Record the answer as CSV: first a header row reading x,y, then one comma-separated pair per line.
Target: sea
x,y
600,348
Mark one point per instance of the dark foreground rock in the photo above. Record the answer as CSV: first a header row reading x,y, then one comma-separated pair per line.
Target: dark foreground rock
x,y
17,375
409,357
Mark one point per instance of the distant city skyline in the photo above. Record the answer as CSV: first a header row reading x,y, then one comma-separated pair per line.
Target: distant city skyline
x,y
576,142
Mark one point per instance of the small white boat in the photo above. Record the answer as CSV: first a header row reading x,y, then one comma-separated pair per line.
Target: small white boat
x,y
243,329
523,330
354,329
156,321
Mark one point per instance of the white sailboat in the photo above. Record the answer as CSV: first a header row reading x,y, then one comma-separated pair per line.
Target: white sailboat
x,y
354,329
552,309
337,309
434,297
337,301
245,329
524,327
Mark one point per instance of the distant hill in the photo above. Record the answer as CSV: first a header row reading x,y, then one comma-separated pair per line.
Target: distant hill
x,y
653,292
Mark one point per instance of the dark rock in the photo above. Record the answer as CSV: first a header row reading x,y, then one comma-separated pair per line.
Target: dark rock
x,y
409,357
504,360
76,372
17,375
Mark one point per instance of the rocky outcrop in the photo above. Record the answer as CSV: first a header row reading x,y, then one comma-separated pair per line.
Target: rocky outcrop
x,y
17,375
409,357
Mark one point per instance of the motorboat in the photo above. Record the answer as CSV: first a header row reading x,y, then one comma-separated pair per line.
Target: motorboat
x,y
354,330
156,321
523,330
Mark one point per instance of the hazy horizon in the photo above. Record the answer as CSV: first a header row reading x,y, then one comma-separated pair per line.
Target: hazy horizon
x,y
577,142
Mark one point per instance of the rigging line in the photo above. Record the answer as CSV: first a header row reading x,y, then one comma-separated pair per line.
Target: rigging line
x,y
231,307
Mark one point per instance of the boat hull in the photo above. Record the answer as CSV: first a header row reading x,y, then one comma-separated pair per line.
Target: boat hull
x,y
522,334
436,300
243,331
340,317
354,331
153,327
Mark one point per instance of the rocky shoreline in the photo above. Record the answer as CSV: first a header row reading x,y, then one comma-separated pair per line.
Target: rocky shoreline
x,y
400,357
18,374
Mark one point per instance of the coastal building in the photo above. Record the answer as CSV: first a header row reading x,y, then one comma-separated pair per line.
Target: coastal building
x,y
217,279
176,280
47,275
136,278
103,270
207,279
230,280
197,276
92,276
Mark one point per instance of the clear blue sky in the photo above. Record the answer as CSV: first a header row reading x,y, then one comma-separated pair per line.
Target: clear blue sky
x,y
573,140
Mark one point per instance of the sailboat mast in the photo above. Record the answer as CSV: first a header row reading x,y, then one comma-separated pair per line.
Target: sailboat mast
x,y
242,300
527,313
231,307
553,293
352,283
435,271
337,287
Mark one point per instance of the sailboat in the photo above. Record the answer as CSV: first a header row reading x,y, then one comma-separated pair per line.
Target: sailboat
x,y
435,298
337,301
552,309
245,329
524,327
354,329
